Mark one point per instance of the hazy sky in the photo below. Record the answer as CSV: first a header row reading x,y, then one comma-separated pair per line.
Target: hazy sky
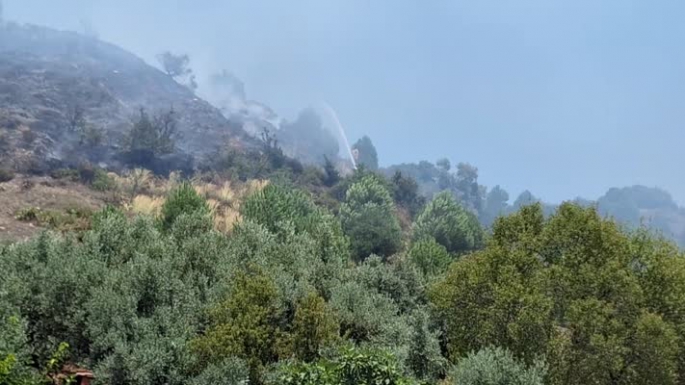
x,y
564,98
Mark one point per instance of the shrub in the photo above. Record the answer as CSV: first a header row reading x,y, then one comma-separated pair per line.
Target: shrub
x,y
368,219
102,181
429,256
232,371
73,219
496,366
69,174
182,200
450,224
352,366
314,326
245,325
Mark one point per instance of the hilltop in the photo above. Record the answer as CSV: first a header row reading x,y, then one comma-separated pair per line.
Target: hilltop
x,y
50,79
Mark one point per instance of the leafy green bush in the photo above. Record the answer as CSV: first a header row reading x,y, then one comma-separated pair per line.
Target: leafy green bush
x,y
314,327
368,219
245,325
429,256
496,366
282,210
182,200
14,352
232,371
351,367
102,181
450,224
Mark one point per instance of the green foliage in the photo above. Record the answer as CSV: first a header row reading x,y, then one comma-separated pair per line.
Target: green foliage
x,y
73,219
572,287
245,325
232,371
450,224
425,359
397,280
369,368
57,360
496,366
282,210
654,352
182,200
14,353
351,367
275,205
102,181
367,155
6,175
368,219
314,327
429,256
170,301
319,373
510,310
363,313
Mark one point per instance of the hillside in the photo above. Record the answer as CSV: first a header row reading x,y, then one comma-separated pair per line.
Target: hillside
x,y
49,79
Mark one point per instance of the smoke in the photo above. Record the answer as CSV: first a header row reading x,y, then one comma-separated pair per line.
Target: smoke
x,y
334,116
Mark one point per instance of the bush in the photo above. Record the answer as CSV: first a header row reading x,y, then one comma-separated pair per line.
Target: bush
x,y
351,367
496,366
450,224
6,175
73,219
368,219
232,371
182,200
102,181
69,174
430,257
314,326
245,325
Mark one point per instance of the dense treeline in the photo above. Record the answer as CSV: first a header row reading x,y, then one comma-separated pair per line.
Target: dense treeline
x,y
632,206
300,294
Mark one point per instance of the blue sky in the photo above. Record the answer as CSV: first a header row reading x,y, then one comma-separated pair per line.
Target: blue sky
x,y
564,98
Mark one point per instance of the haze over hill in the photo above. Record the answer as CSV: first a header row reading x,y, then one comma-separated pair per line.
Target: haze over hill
x,y
166,226
562,98
46,74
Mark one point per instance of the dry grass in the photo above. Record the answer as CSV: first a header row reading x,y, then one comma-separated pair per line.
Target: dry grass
x,y
226,218
55,197
223,199
137,191
146,205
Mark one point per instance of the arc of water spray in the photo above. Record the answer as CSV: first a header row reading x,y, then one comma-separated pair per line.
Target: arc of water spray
x,y
331,112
